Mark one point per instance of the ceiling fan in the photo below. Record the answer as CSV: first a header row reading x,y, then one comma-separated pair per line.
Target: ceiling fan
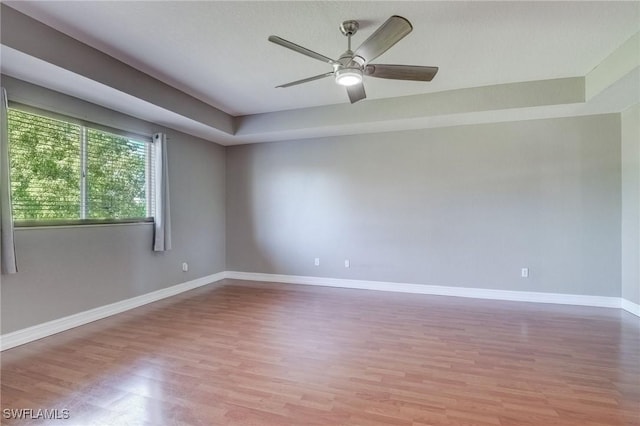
x,y
349,69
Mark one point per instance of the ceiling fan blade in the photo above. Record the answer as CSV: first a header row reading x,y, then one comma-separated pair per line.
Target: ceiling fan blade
x,y
401,72
389,33
305,80
356,93
289,45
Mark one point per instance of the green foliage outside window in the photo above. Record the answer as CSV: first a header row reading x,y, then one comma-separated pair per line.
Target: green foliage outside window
x,y
47,167
115,176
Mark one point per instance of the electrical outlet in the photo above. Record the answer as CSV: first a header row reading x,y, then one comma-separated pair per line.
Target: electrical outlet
x,y
524,272
347,263
316,261
185,266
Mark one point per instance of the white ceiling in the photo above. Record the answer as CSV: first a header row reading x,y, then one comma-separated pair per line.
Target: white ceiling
x,y
218,51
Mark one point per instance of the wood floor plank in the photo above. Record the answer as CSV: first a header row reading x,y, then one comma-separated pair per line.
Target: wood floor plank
x,y
245,353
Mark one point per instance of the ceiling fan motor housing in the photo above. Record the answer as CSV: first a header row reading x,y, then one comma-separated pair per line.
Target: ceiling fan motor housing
x,y
349,69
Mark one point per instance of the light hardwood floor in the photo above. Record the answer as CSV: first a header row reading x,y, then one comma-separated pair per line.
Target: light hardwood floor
x,y
243,353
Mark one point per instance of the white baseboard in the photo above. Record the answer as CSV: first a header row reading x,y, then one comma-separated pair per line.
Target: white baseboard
x,y
631,307
39,331
477,293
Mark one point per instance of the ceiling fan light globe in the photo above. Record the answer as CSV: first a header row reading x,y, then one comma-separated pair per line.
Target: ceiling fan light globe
x,y
349,76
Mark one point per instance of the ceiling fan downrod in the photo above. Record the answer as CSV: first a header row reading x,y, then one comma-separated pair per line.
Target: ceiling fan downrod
x,y
348,72
349,28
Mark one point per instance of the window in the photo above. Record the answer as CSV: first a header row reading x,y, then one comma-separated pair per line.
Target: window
x,y
64,172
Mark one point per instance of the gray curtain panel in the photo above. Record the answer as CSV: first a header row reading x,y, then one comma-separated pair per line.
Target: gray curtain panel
x,y
162,216
7,246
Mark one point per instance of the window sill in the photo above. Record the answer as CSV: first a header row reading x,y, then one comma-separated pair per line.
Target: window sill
x,y
79,224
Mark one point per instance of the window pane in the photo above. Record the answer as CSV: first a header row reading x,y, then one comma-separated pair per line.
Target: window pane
x,y
45,167
116,176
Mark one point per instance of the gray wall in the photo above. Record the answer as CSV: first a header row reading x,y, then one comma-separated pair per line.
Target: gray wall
x,y
631,204
63,271
464,206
